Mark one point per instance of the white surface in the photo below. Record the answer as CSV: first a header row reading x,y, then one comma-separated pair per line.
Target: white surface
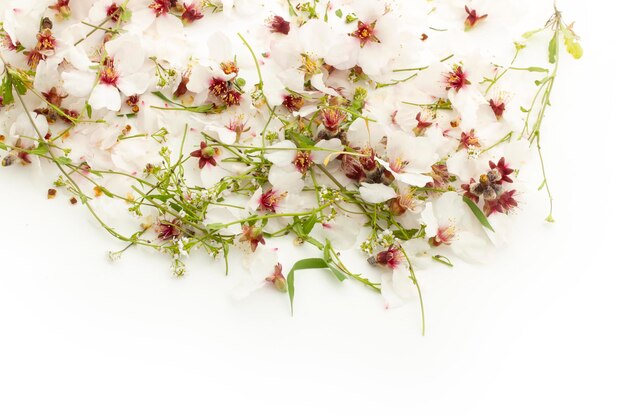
x,y
540,332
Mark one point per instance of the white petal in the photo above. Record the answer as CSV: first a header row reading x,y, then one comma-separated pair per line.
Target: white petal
x,y
376,193
134,83
105,97
78,83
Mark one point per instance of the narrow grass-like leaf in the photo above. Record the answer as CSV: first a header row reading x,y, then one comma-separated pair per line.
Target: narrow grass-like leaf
x,y
310,263
478,213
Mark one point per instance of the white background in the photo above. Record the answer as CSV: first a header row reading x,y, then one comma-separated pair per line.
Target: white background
x,y
539,332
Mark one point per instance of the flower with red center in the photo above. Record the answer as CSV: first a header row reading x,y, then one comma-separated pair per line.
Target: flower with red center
x,y
114,12
270,200
503,168
472,18
365,33
279,25
254,235
232,98
332,119
404,202
293,102
498,107
53,97
206,154
34,57
109,75
390,258
161,7
422,124
352,168
397,165
7,42
456,79
181,90
191,13
445,235
229,67
440,175
303,161
62,7
278,279
503,204
238,125
168,230
469,140
368,162
218,87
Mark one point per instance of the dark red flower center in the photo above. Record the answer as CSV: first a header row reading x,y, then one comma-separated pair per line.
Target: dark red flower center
x,y
113,12
498,107
109,74
457,79
303,161
293,102
472,18
191,13
365,33
270,200
279,25
161,7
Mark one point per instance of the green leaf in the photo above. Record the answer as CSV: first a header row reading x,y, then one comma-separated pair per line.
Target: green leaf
x,y
7,90
308,226
339,13
310,263
574,49
89,110
3,146
552,48
42,149
478,213
533,69
531,33
301,141
63,160
19,86
337,273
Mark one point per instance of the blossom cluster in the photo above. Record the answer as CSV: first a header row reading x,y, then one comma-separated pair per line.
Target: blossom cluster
x,y
394,128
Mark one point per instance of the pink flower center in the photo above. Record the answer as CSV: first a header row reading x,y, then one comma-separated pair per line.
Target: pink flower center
x,y
472,18
293,102
161,7
398,165
332,118
113,11
391,258
279,25
445,235
365,33
469,140
270,200
191,13
218,87
457,79
498,107
109,74
303,161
